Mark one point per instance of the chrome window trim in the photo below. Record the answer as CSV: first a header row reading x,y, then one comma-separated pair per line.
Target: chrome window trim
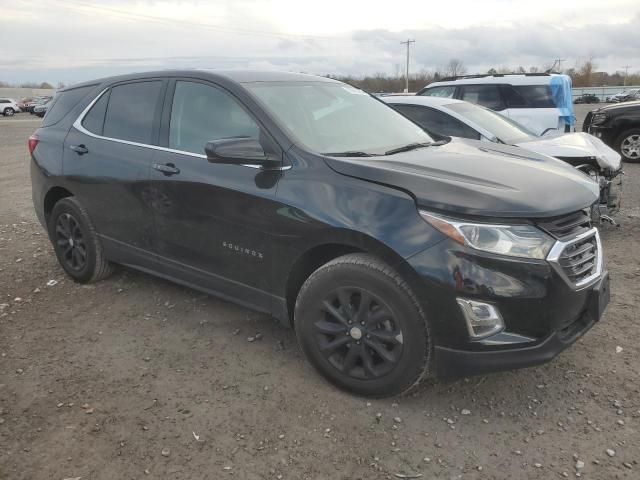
x,y
554,259
78,126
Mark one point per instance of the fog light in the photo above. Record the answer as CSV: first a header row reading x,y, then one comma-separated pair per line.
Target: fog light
x,y
483,319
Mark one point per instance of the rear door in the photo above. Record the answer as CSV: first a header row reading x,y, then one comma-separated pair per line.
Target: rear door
x,y
531,106
213,221
107,157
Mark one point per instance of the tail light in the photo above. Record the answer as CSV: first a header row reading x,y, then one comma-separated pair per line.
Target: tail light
x,y
33,143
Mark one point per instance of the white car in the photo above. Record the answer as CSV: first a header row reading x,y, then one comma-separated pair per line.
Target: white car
x,y
540,102
446,117
8,106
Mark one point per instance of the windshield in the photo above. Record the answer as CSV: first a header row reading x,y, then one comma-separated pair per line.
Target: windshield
x,y
336,118
503,128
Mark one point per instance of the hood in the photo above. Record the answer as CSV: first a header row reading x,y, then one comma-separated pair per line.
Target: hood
x,y
475,178
579,144
618,106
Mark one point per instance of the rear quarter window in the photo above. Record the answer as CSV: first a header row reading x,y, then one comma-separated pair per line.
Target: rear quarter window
x,y
63,103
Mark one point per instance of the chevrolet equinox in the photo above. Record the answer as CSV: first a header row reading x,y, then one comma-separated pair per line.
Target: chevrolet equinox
x,y
391,255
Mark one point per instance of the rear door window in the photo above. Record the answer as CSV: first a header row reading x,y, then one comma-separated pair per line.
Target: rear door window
x,y
131,111
63,103
485,95
534,96
436,122
443,92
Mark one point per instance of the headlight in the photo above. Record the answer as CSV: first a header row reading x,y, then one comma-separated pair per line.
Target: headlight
x,y
512,240
598,118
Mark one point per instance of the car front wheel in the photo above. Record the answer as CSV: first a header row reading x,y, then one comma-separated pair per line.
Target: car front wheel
x,y
76,243
361,327
628,144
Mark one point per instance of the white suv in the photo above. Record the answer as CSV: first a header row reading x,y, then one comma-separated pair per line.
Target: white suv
x,y
540,102
8,107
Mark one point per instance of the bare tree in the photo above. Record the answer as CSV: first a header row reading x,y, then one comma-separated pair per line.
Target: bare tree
x,y
455,67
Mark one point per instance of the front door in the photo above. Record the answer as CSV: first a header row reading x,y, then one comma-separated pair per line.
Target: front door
x,y
213,221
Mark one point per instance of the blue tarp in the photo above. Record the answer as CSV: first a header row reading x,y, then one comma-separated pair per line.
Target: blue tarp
x,y
562,97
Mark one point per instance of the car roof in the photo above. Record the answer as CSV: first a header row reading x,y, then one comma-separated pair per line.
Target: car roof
x,y
236,76
421,100
509,79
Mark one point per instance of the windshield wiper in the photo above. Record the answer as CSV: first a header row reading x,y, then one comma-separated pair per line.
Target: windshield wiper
x,y
413,146
353,153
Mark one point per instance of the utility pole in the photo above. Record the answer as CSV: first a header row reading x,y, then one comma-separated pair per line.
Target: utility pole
x,y
626,72
407,43
559,62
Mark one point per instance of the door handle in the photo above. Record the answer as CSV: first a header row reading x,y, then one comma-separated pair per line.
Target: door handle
x,y
79,149
167,168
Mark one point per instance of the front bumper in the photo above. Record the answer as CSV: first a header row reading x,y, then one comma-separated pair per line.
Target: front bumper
x,y
542,312
455,363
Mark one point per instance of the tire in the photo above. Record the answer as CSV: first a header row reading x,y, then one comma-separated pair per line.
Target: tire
x,y
628,145
359,324
82,257
8,112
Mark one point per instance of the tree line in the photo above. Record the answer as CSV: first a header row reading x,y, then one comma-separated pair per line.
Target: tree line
x,y
583,74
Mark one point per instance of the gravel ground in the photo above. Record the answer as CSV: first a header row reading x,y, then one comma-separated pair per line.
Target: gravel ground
x,y
135,377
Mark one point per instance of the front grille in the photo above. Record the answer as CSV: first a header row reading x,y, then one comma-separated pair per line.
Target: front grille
x,y
579,260
567,226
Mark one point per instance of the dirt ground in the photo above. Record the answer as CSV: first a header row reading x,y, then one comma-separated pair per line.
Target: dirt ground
x,y
135,377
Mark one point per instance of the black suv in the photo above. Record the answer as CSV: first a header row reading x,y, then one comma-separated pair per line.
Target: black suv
x,y
618,126
392,255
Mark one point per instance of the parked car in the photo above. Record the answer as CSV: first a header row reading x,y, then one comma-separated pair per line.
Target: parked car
x,y
626,96
445,117
618,126
586,98
41,109
37,101
8,107
540,102
394,256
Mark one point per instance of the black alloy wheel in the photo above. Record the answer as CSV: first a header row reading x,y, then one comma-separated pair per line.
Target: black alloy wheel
x,y
358,334
71,242
76,242
360,325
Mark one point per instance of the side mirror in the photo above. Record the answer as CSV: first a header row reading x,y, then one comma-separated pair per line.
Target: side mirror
x,y
239,151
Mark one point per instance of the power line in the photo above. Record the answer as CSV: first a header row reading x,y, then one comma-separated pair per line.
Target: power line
x,y
114,12
407,43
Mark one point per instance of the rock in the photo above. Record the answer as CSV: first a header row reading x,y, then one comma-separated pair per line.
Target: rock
x,y
620,422
251,339
537,465
236,331
618,349
464,411
397,419
281,436
611,452
627,465
579,464
258,336
52,283
165,452
89,411
147,359
227,468
19,371
85,405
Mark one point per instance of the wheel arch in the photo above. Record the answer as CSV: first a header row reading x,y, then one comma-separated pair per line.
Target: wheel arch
x,y
53,196
346,242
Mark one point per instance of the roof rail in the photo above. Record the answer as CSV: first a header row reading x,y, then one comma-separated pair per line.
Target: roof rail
x,y
483,75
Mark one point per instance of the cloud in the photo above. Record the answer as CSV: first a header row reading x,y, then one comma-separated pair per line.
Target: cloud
x,y
75,40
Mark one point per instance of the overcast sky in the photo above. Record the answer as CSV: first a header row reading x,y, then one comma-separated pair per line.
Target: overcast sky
x,y
75,40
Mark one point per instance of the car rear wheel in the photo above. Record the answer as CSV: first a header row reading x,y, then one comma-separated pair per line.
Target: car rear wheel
x,y
628,145
361,326
76,243
8,112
